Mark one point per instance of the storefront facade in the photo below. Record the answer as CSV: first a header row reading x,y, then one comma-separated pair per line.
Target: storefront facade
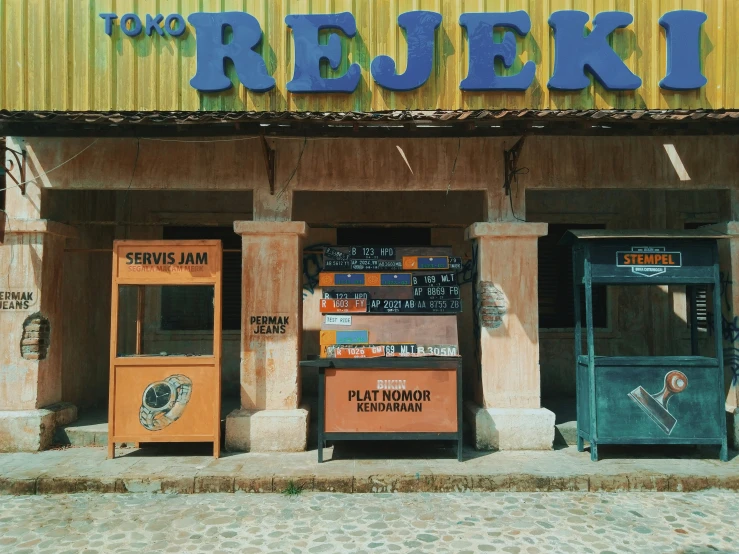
x,y
128,125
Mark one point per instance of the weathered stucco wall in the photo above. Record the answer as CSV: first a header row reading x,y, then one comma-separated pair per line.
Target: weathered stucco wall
x,y
131,189
376,164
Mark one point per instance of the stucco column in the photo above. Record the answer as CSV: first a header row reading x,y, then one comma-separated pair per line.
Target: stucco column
x,y
270,418
31,258
507,414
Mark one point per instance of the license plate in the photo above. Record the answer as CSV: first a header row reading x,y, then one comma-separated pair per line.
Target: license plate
x,y
414,306
425,262
342,306
362,265
333,254
390,350
417,351
327,279
336,294
441,292
371,253
435,279
328,337
353,352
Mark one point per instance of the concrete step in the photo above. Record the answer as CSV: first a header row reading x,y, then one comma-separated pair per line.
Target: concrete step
x,y
565,412
565,433
91,428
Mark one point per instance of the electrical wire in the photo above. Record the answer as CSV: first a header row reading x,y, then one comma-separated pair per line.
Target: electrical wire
x,y
53,168
200,141
515,174
239,139
454,165
305,139
44,174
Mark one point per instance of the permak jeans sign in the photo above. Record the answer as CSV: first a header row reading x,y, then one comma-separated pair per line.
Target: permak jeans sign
x,y
576,52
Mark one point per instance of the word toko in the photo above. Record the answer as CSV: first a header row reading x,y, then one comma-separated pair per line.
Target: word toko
x,y
576,53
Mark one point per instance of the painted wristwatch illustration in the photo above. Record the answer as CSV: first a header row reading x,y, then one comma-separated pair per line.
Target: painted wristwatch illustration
x,y
163,402
655,405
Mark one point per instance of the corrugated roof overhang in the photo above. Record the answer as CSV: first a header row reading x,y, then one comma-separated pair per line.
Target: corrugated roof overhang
x,y
410,123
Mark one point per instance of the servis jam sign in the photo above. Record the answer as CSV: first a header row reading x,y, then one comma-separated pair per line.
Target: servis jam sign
x,y
576,53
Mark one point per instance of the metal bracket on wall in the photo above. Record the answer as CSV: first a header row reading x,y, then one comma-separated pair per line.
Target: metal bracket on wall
x,y
18,160
269,162
510,164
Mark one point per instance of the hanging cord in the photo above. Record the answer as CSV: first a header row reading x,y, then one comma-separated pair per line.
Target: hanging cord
x,y
512,171
454,165
516,173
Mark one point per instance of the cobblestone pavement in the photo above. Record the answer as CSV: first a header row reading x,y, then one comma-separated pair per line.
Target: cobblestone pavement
x,y
428,522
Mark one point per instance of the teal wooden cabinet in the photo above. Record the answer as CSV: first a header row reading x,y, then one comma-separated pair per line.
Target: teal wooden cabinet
x,y
647,399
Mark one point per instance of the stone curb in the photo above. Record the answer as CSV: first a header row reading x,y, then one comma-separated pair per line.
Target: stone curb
x,y
639,482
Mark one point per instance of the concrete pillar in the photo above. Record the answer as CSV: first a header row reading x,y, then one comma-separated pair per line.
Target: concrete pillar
x,y
31,331
270,418
507,414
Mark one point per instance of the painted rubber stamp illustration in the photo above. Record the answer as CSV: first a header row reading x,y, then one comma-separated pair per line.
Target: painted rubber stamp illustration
x,y
655,405
163,402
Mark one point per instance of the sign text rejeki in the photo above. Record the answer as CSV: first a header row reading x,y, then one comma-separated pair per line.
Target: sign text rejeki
x,y
577,53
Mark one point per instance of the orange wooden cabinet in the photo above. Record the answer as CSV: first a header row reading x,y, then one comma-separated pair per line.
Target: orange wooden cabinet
x,y
389,399
157,395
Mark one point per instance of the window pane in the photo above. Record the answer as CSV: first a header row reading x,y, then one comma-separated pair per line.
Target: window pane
x,y
231,278
187,308
139,333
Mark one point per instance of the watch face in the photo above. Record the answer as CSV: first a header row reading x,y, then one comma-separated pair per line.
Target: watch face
x,y
157,395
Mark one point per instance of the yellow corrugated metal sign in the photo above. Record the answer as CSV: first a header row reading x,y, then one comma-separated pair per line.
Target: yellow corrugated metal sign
x,y
57,55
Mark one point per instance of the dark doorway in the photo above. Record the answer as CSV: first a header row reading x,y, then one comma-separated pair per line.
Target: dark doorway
x,y
383,236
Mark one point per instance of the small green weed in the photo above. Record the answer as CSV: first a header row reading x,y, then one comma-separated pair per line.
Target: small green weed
x,y
293,489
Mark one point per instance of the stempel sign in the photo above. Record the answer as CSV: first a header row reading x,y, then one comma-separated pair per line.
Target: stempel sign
x,y
576,53
648,261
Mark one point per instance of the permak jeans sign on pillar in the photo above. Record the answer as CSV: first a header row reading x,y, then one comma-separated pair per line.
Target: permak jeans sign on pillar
x,y
577,54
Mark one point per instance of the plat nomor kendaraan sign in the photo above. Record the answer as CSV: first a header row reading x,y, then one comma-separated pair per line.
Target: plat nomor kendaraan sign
x,y
577,53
